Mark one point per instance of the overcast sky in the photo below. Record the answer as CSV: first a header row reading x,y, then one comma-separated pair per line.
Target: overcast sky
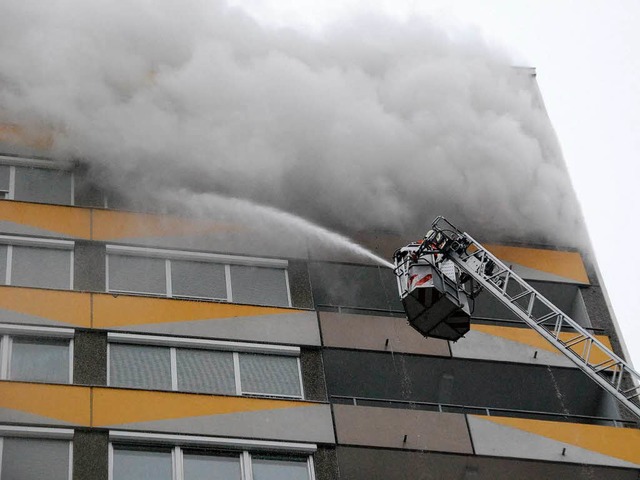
x,y
587,56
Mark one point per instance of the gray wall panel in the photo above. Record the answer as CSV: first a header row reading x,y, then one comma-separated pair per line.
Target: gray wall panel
x,y
8,227
89,266
387,427
492,439
485,346
372,333
90,455
8,415
298,328
300,424
90,357
9,316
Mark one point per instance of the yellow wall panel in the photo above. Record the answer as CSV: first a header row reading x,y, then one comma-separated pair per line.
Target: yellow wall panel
x,y
113,406
564,264
622,443
120,310
71,221
56,305
534,339
113,225
67,403
34,137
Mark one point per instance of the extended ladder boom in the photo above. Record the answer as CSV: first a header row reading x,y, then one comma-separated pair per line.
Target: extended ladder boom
x,y
580,346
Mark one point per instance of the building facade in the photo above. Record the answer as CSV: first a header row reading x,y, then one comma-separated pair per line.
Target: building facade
x,y
144,346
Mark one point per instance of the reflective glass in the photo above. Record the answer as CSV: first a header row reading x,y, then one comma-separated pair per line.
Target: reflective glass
x,y
41,267
269,374
207,467
39,360
198,279
4,178
35,459
139,366
142,465
275,469
43,185
205,371
259,285
128,273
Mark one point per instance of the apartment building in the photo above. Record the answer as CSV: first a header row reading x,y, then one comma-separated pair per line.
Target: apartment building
x,y
136,345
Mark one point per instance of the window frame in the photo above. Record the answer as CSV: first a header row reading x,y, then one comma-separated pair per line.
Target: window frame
x,y
49,243
38,433
236,348
9,331
13,162
204,257
244,448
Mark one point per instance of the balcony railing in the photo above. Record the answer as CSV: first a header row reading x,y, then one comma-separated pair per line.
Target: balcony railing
x,y
477,410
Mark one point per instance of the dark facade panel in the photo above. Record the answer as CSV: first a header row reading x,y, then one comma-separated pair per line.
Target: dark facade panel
x,y
405,429
452,381
89,266
370,332
90,357
358,463
562,295
356,286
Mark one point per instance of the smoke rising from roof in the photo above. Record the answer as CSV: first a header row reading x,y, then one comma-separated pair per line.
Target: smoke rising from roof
x,y
376,125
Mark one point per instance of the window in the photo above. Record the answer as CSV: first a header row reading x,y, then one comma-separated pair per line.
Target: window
x,y
36,262
203,366
34,354
197,275
26,455
184,463
36,181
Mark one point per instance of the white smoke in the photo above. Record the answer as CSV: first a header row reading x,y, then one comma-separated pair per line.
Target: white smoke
x,y
376,125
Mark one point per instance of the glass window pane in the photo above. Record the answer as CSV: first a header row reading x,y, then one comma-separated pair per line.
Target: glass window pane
x,y
41,267
4,179
276,469
39,360
206,467
35,459
259,285
198,279
139,366
205,371
142,465
269,374
3,264
137,274
43,185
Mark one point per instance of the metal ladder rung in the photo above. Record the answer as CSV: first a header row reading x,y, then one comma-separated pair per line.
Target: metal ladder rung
x,y
546,317
605,365
635,395
575,341
635,387
519,296
496,274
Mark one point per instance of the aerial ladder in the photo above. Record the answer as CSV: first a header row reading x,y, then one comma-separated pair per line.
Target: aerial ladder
x,y
440,276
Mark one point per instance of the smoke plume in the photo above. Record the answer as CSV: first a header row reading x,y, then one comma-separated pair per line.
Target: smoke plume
x,y
377,125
